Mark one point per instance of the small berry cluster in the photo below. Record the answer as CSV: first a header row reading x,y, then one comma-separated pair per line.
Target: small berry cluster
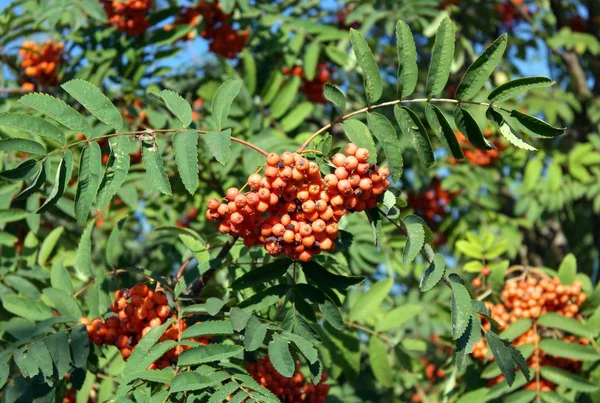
x,y
477,156
530,298
41,61
185,221
510,13
137,310
225,40
289,390
432,202
313,90
294,211
129,16
187,16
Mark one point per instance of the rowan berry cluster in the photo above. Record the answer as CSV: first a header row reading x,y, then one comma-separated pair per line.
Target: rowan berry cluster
x,y
129,16
293,210
187,16
432,202
477,156
313,89
225,40
137,310
529,298
185,221
288,390
41,61
509,10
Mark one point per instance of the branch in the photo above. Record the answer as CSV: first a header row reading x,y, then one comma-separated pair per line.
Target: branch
x,y
199,283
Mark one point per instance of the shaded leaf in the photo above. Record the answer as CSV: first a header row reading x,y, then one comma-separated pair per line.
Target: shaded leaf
x,y
94,101
368,65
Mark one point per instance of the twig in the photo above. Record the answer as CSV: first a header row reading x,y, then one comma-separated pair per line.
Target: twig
x,y
390,103
198,284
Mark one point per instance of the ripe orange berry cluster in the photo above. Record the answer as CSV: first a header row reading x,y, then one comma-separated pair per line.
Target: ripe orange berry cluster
x,y
477,156
530,298
224,39
432,202
509,12
312,89
41,61
293,210
128,16
137,310
289,390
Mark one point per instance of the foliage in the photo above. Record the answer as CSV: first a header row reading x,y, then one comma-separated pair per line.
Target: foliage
x,y
388,197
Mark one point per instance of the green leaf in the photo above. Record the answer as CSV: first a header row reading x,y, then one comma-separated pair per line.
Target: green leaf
x,y
60,278
154,167
397,317
188,381
58,346
468,126
143,353
33,125
568,269
22,172
113,245
80,346
214,305
335,96
506,356
297,116
285,97
26,307
7,239
239,319
208,353
514,88
12,215
83,262
4,369
466,342
359,134
178,106
370,300
281,358
59,111
481,69
25,362
222,393
219,144
408,72
262,275
533,171
208,328
22,286
516,329
94,9
37,182
319,275
415,233
311,58
506,132
48,245
573,326
573,351
223,99
534,126
380,364
22,145
368,65
255,334
94,101
441,58
249,70
567,379
383,130
461,309
64,303
434,273
116,171
63,175
437,117
185,145
411,125
90,167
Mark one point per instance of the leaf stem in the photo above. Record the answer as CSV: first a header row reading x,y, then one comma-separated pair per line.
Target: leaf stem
x,y
391,103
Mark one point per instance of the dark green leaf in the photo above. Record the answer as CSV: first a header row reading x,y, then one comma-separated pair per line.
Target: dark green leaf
x,y
415,233
57,110
80,346
506,356
567,379
58,346
411,125
434,273
285,97
208,353
185,145
64,303
516,329
22,145
63,175
383,130
223,99
113,245
281,358
33,125
408,72
116,171
335,96
255,334
573,351
481,69
368,65
534,126
466,342
461,309
219,144
39,353
469,127
319,275
94,101
506,132
262,275
83,265
239,319
154,167
208,328
311,58
188,381
60,278
555,321
37,182
441,58
178,106
514,88
380,364
23,171
90,167
358,133
26,307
